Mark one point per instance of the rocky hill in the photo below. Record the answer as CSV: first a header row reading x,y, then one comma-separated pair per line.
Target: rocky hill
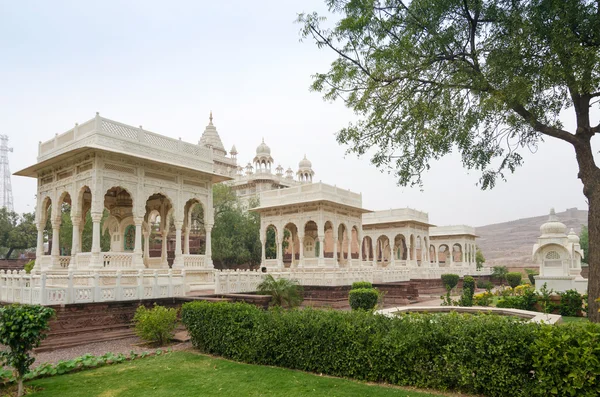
x,y
510,243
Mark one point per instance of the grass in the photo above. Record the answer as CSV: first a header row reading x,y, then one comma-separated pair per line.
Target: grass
x,y
580,320
190,374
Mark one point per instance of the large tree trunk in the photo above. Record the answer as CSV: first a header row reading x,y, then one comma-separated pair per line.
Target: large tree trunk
x,y
594,255
590,176
9,253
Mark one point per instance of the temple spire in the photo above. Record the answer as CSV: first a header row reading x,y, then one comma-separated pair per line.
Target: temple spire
x,y
210,118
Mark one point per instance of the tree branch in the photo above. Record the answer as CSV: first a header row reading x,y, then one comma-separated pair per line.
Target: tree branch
x,y
543,128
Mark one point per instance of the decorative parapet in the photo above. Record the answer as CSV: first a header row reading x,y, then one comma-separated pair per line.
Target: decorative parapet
x,y
307,193
453,230
395,215
102,133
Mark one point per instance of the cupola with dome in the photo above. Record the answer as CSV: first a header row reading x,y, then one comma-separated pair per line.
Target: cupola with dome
x,y
305,172
263,160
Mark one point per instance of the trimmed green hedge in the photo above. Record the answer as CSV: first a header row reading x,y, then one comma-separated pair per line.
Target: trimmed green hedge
x,y
450,280
361,284
363,298
489,355
514,279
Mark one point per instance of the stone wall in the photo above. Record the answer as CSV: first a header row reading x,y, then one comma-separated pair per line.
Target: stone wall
x,y
13,264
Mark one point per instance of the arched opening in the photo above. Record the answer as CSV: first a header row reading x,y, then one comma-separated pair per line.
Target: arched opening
x,y
291,247
457,254
383,251
354,244
443,253
400,250
342,252
46,220
311,244
328,247
194,236
431,254
367,249
119,204
271,242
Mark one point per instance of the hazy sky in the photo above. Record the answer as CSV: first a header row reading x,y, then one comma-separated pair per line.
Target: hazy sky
x,y
165,65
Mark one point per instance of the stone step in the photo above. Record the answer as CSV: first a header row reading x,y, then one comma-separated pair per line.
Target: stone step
x,y
84,338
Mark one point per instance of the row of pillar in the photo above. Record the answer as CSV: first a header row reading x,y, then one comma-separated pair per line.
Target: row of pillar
x,y
96,248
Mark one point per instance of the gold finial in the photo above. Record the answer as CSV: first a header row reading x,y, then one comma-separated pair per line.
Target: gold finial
x,y
210,117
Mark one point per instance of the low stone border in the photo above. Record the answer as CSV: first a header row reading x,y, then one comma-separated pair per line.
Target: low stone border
x,y
535,317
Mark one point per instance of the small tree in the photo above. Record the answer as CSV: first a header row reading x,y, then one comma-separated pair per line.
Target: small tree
x,y
450,281
22,328
468,290
283,292
531,275
499,272
584,242
479,259
514,279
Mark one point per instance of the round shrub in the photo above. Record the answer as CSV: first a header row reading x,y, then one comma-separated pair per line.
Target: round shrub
x,y
363,298
155,325
450,280
513,279
571,303
361,284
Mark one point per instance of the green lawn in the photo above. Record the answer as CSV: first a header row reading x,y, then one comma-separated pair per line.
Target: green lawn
x,y
189,374
581,320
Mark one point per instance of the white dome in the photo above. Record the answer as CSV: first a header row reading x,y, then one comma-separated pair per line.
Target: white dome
x,y
305,163
263,149
553,226
573,238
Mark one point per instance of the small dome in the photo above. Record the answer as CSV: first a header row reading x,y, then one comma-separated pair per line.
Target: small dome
x,y
553,226
573,238
263,149
233,150
305,163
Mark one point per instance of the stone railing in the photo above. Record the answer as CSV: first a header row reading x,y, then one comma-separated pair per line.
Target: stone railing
x,y
83,287
121,260
194,261
64,261
234,281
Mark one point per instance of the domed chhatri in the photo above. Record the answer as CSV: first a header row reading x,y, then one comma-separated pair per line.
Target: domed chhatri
x,y
553,226
573,237
304,163
263,161
305,173
559,256
263,149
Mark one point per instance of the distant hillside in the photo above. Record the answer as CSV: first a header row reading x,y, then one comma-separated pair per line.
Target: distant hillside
x,y
510,243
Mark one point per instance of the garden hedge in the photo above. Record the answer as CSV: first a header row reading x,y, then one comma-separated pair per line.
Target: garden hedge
x,y
363,298
484,354
361,284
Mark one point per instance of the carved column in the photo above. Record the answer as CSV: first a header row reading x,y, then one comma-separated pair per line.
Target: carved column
x,y
146,247
392,252
75,241
208,250
263,253
163,248
138,260
178,261
279,246
335,253
186,241
39,252
96,258
292,248
301,260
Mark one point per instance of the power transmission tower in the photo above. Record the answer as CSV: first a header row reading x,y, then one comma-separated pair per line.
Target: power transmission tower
x,y
6,197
